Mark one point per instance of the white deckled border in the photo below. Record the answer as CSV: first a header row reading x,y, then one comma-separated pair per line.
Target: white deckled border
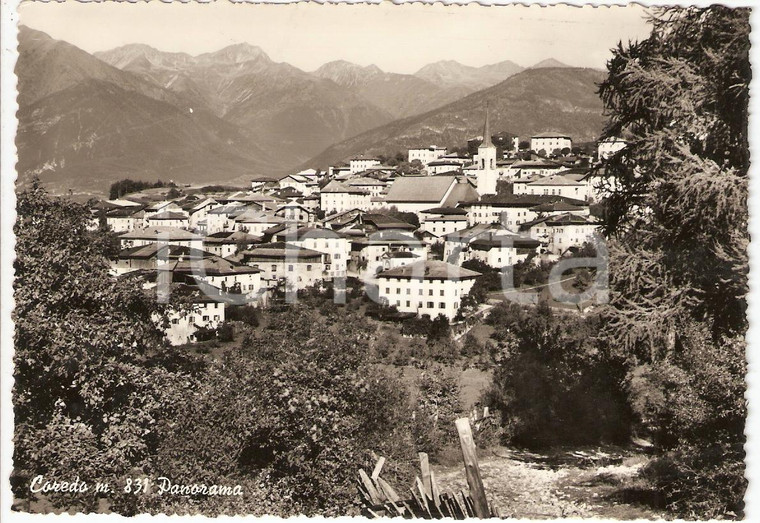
x,y
8,124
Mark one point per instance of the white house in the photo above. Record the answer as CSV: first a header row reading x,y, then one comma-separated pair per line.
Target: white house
x,y
609,146
334,246
426,155
282,262
527,169
336,197
367,252
125,219
443,166
426,287
227,243
555,185
559,233
361,163
548,142
167,235
371,186
493,244
440,221
169,219
222,218
231,279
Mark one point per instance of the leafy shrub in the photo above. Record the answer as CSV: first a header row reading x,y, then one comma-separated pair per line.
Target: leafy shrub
x,y
247,314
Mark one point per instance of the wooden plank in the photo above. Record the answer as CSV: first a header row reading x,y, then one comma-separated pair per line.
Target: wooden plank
x,y
470,458
387,490
434,489
375,496
425,468
378,468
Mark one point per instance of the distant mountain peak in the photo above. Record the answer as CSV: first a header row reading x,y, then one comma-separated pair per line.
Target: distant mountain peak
x,y
549,62
236,54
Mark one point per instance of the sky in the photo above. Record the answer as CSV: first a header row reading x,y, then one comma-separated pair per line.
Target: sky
x,y
396,38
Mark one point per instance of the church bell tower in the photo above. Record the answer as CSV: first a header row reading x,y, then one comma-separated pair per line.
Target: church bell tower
x,y
486,161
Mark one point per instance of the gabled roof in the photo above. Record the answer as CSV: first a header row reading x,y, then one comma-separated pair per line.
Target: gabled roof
x,y
125,212
462,192
554,207
144,252
209,265
303,233
168,215
446,211
420,189
430,270
382,221
275,250
231,237
555,179
160,234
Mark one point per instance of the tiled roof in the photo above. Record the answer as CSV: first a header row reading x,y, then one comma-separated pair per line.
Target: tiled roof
x,y
276,250
430,270
550,135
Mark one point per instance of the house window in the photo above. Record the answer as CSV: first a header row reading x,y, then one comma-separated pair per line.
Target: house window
x,y
387,290
441,292
308,267
290,268
431,305
192,319
274,268
175,321
407,303
442,305
398,290
430,292
205,318
216,317
420,295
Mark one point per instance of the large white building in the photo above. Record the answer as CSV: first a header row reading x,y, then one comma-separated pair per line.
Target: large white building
x,y
426,287
548,142
426,154
492,244
336,197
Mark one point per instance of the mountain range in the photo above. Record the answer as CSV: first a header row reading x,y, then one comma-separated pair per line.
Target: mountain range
x,y
87,120
536,100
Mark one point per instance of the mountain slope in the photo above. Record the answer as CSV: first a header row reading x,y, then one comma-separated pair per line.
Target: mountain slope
x,y
401,95
289,112
533,101
84,124
450,73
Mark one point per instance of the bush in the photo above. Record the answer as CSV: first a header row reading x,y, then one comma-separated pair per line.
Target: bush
x,y
247,314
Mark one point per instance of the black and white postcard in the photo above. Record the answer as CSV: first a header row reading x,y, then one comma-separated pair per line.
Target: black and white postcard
x,y
394,260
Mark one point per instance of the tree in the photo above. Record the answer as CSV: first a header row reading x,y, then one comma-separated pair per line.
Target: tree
x,y
91,375
678,230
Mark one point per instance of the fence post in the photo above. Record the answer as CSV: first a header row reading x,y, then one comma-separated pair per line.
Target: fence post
x,y
470,457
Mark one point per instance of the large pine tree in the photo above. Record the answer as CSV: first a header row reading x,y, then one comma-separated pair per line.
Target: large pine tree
x,y
677,224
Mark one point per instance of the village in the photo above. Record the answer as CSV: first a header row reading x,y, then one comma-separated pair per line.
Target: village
x,y
404,237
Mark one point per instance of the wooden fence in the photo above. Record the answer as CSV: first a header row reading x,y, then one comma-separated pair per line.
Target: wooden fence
x,y
427,501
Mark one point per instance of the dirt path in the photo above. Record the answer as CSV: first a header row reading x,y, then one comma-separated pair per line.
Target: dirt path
x,y
535,490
